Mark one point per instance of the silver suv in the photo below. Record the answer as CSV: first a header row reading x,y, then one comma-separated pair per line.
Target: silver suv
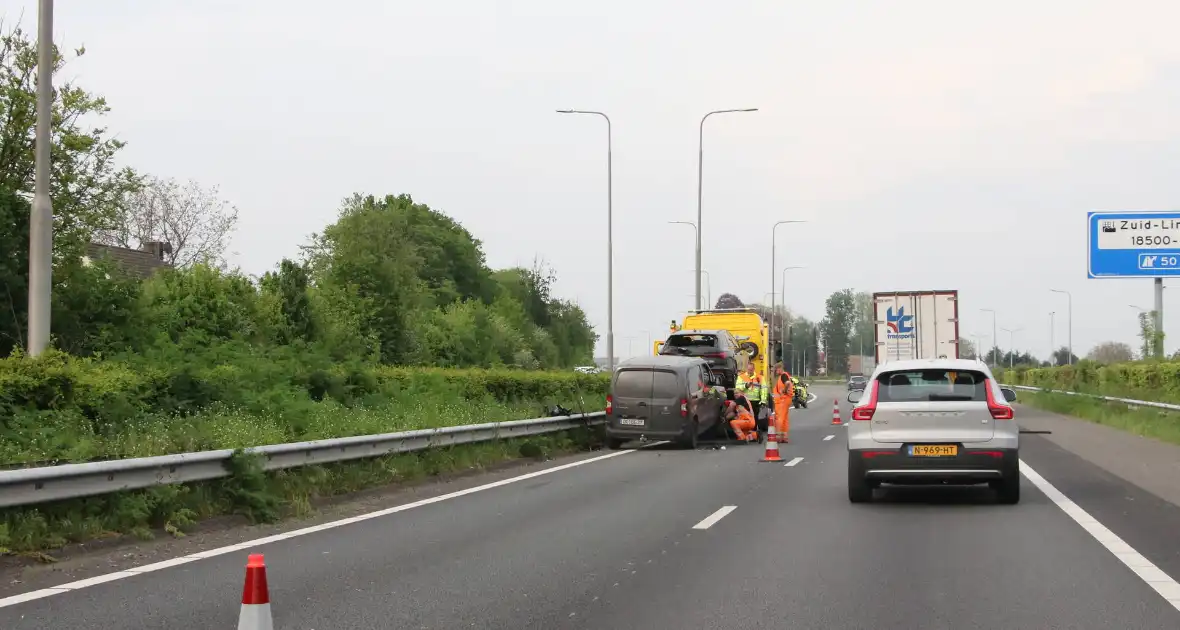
x,y
933,421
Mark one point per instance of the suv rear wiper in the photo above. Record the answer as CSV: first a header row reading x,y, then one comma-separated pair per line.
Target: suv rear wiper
x,y
951,397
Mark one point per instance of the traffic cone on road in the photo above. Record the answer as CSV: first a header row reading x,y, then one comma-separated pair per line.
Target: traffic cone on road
x,y
771,454
255,613
836,421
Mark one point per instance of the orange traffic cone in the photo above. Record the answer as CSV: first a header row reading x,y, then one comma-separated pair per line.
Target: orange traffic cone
x,y
771,454
255,613
836,421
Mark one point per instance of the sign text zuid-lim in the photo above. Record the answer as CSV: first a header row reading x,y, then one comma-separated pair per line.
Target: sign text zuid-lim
x,y
1139,234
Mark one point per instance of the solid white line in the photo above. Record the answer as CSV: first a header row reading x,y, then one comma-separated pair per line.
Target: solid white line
x,y
793,461
712,519
828,437
1163,584
253,544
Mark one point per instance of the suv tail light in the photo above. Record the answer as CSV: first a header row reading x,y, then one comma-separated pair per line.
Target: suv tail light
x,y
714,355
865,411
683,407
610,404
998,411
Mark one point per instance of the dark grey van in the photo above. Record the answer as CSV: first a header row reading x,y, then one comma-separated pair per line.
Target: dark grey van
x,y
662,398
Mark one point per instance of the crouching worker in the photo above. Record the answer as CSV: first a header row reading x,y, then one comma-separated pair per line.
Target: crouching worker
x,y
740,415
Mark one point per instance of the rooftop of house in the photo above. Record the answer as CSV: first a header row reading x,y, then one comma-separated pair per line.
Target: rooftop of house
x,y
141,262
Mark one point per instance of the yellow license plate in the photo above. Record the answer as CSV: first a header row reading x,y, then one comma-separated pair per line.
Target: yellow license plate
x,y
934,450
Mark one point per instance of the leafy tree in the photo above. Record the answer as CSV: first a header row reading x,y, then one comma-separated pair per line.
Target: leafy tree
x,y
729,300
369,263
87,187
966,348
1151,340
836,329
191,218
1109,352
290,285
863,326
1062,356
803,346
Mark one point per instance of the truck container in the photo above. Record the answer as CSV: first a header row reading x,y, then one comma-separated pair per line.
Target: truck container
x,y
916,325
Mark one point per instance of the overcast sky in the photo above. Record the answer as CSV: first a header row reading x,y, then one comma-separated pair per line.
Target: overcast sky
x,y
930,144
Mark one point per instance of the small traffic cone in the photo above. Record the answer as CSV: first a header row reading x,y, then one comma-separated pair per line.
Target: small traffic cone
x,y
771,454
255,613
836,421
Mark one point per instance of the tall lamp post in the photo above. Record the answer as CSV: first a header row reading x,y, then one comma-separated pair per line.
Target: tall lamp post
x,y
41,214
783,320
1069,316
1011,345
700,183
773,242
610,247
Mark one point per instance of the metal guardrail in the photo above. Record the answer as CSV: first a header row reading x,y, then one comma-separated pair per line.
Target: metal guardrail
x,y
1126,401
27,486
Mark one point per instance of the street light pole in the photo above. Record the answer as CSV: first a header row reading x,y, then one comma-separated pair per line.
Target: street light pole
x,y
700,184
1069,316
610,246
773,242
698,271
995,342
1011,345
41,213
783,320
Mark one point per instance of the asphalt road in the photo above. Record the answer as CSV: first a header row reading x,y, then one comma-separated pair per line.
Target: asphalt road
x,y
611,544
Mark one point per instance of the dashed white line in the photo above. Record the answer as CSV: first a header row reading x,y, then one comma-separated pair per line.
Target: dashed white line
x,y
1163,584
253,544
828,437
793,462
712,519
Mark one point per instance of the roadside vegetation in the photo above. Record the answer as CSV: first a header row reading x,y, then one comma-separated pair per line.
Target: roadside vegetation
x,y
389,319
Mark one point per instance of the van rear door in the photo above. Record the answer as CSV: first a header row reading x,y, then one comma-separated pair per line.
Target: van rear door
x,y
667,393
631,397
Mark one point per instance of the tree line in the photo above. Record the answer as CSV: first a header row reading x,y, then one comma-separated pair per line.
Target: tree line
x,y
391,280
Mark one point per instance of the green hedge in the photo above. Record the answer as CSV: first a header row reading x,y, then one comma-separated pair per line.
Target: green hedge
x,y
1146,380
60,408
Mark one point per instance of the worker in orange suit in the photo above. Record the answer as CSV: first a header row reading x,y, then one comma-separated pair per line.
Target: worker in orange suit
x,y
784,393
740,415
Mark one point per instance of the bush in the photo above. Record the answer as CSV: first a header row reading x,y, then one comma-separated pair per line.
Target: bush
x,y
61,408
1146,380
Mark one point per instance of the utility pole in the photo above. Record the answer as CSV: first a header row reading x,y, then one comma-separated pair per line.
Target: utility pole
x,y
41,214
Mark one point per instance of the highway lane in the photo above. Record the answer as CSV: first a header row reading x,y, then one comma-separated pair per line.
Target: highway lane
x,y
611,544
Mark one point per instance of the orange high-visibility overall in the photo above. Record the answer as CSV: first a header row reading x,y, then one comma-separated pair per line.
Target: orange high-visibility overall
x,y
783,394
743,423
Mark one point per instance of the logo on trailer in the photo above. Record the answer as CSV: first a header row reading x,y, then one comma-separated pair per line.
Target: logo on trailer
x,y
900,325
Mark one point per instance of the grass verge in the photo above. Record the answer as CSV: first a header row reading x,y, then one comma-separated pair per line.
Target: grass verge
x,y
1144,421
260,497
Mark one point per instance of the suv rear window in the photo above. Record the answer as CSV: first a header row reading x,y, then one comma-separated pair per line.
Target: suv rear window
x,y
633,384
857,379
932,386
686,344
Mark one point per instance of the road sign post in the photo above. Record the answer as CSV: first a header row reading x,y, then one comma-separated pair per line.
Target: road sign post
x,y
1135,245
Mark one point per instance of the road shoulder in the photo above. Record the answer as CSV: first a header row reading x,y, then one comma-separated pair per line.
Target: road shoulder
x,y
1149,464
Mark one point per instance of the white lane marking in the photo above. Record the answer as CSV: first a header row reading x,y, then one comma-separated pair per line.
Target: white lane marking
x,y
712,519
793,461
253,544
828,437
1163,584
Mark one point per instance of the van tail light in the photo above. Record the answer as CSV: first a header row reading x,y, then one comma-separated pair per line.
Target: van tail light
x,y
683,407
998,411
865,411
610,404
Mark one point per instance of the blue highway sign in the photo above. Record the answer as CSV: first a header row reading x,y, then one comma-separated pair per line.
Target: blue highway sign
x,y
1133,244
